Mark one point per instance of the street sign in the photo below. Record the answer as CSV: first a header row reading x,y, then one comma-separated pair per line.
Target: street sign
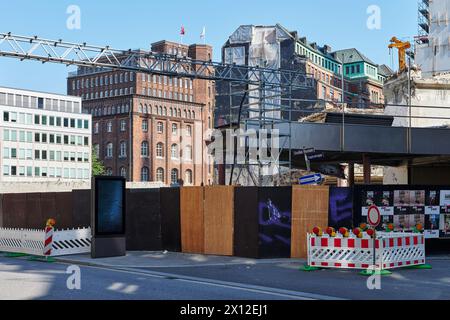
x,y
304,151
311,179
316,156
374,216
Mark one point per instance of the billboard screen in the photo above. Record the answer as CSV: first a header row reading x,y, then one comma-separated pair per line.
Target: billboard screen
x,y
109,206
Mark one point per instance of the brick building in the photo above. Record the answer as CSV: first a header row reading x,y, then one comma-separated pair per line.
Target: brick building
x,y
150,127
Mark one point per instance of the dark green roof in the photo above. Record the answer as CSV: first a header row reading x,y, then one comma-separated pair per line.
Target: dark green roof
x,y
352,56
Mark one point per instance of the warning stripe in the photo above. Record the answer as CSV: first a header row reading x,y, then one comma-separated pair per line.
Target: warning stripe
x,y
48,242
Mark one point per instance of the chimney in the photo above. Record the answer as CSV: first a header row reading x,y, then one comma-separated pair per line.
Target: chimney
x,y
326,48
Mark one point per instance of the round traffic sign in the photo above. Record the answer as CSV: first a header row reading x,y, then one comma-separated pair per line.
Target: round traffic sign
x,y
374,216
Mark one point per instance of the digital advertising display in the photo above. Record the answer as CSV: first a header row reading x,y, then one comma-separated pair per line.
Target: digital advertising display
x,y
109,206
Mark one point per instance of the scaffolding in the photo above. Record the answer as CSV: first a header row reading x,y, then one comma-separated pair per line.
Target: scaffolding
x,y
265,88
261,113
423,21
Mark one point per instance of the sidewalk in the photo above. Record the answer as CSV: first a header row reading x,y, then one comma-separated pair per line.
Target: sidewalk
x,y
146,259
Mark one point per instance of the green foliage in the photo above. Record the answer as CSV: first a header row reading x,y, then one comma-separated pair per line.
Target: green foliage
x,y
98,169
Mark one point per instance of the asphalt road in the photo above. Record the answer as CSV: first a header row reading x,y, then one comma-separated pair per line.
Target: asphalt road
x,y
23,279
403,284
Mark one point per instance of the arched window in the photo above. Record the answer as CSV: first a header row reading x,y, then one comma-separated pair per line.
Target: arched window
x,y
96,127
109,150
174,151
109,172
109,126
97,150
171,112
140,108
144,174
188,153
189,114
160,150
123,149
193,114
160,175
174,176
188,177
165,111
123,125
145,109
144,149
189,131
123,172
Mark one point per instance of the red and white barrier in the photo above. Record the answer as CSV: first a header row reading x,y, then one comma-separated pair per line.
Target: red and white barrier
x,y
393,250
48,242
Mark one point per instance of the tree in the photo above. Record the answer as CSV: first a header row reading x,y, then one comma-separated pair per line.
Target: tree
x,y
98,168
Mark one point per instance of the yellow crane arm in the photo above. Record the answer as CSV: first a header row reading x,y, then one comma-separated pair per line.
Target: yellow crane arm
x,y
402,47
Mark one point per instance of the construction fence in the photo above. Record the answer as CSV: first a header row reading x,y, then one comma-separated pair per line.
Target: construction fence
x,y
32,241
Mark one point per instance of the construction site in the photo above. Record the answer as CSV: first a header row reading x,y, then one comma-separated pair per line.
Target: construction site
x,y
351,98
273,173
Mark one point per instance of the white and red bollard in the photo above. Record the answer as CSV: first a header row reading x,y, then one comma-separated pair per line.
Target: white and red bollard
x,y
48,242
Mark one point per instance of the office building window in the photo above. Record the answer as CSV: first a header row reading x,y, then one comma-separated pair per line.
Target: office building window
x,y
144,149
123,125
145,125
174,129
174,151
160,175
174,176
123,149
109,150
123,172
145,174
188,177
160,127
160,150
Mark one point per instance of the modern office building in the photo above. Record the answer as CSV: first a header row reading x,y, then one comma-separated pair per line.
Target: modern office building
x,y
44,138
150,128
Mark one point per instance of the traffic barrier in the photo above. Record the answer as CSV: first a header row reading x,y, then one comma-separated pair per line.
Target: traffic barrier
x,y
46,243
393,250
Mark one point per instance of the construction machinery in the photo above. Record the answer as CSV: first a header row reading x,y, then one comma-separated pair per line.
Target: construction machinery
x,y
402,47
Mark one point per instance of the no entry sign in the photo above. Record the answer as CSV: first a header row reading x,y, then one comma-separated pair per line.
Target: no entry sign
x,y
374,216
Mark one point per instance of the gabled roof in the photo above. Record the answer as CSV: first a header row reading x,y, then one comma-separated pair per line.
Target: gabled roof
x,y
352,56
385,71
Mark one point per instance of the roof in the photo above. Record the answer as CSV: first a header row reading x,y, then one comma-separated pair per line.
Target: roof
x,y
384,70
352,56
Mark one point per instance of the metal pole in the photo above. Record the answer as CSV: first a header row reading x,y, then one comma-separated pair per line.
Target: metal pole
x,y
343,107
409,104
290,136
374,249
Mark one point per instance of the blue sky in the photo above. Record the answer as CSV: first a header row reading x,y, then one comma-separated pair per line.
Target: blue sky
x,y
137,23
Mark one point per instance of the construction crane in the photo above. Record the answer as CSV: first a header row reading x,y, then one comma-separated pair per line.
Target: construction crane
x,y
402,47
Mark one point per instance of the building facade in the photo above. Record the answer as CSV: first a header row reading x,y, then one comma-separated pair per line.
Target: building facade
x,y
44,138
276,47
148,127
431,52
